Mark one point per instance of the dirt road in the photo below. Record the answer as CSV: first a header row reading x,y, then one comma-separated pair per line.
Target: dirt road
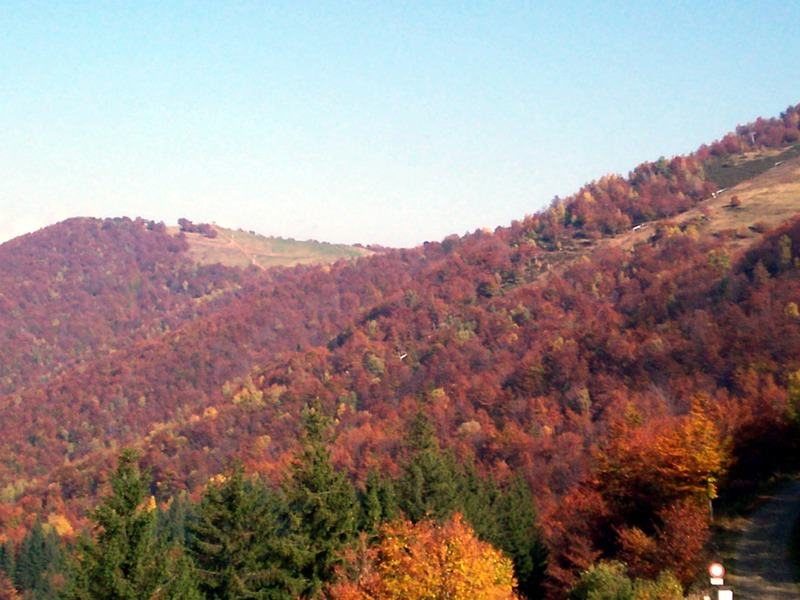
x,y
762,569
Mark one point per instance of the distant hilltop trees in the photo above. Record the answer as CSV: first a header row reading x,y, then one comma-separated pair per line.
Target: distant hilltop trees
x,y
204,229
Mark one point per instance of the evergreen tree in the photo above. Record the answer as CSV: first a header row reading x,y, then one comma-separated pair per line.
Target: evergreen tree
x,y
232,541
521,538
39,559
370,513
125,561
172,523
321,507
477,500
377,503
30,562
428,487
181,582
7,559
432,485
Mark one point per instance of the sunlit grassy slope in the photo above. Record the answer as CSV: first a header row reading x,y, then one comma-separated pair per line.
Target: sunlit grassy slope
x,y
240,248
763,202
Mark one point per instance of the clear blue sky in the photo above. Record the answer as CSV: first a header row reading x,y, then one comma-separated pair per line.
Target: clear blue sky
x,y
372,122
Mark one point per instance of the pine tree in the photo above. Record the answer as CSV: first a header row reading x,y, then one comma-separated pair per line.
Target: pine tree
x,y
321,507
30,562
232,540
477,501
39,560
125,561
428,487
181,582
521,538
370,515
172,523
378,503
7,555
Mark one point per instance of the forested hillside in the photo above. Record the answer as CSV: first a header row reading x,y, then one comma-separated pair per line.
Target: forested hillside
x,y
590,377
79,289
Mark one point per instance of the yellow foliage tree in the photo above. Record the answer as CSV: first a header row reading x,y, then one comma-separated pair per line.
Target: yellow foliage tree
x,y
427,561
692,457
794,395
671,462
61,524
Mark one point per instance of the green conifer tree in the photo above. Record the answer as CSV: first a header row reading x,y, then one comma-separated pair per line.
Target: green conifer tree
x,y
39,560
7,556
521,538
321,507
477,501
370,515
428,486
125,561
232,541
30,563
377,503
172,523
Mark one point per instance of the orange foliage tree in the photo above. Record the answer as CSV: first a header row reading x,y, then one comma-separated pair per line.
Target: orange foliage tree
x,y
641,469
659,482
424,560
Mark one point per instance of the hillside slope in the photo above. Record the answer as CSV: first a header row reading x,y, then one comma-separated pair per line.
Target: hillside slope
x,y
241,249
77,290
762,203
636,320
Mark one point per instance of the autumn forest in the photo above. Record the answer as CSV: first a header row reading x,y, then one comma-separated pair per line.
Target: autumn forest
x,y
512,413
